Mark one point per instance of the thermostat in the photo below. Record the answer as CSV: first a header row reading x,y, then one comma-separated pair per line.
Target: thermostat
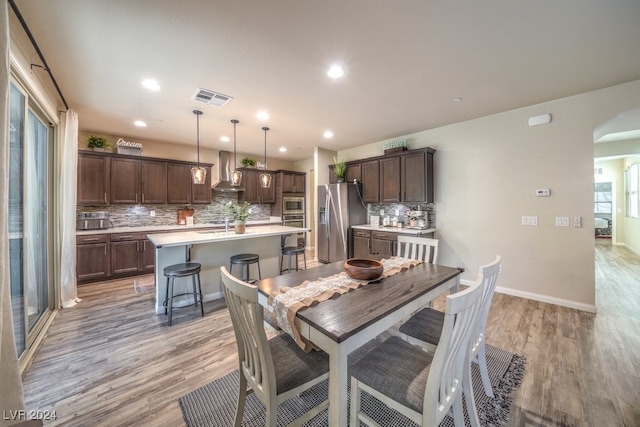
x,y
543,192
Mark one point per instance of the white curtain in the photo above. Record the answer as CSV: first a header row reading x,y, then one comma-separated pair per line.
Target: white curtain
x,y
11,392
68,165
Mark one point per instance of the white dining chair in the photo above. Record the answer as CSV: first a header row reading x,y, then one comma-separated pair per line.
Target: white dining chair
x,y
276,369
422,248
424,327
422,386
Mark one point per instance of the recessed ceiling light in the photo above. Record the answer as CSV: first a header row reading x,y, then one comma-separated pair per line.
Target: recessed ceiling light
x,y
335,72
140,124
282,149
151,84
224,139
458,99
328,134
263,115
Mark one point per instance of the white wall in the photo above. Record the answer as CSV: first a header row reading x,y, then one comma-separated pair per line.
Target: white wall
x,y
612,171
486,174
631,235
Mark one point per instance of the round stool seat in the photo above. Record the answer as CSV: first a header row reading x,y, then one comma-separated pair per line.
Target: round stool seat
x,y
244,259
292,250
181,270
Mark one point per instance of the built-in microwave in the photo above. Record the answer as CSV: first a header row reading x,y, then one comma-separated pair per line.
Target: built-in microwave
x,y
292,205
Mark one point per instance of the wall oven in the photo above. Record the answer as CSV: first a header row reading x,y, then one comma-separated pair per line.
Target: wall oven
x,y
296,221
292,205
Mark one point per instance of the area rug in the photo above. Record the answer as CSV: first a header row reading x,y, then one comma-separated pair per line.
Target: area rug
x,y
214,404
144,285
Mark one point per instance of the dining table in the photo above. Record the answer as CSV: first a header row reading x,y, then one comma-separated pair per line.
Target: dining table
x,y
342,324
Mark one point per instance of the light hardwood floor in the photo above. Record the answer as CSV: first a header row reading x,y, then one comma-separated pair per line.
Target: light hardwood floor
x,y
111,361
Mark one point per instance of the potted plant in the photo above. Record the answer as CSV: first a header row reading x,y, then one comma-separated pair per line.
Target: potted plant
x,y
97,143
248,162
340,169
239,214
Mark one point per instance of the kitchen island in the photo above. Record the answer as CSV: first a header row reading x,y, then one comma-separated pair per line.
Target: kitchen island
x,y
212,249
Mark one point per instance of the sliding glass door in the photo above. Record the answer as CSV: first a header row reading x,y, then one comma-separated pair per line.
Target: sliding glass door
x,y
29,144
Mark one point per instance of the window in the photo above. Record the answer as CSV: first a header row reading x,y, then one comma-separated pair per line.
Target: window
x,y
603,198
631,186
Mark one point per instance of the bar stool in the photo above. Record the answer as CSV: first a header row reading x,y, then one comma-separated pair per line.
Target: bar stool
x,y
291,251
245,260
183,270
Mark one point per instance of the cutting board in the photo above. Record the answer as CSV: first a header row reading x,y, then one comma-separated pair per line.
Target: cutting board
x,y
183,214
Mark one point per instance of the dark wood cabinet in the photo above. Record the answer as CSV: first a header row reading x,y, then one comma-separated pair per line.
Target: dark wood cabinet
x,y
131,253
353,172
153,182
92,257
125,180
371,181
390,180
253,191
417,177
180,187
361,244
93,179
383,244
148,256
293,182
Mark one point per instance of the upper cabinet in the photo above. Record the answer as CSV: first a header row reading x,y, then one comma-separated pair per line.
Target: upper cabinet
x,y
253,191
406,177
293,182
93,179
120,179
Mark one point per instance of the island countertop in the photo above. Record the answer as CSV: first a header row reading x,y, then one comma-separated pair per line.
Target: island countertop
x,y
183,238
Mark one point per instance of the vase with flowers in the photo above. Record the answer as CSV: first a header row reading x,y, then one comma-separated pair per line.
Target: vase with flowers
x,y
239,214
340,169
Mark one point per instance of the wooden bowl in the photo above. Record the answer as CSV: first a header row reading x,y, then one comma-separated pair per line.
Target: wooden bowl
x,y
363,269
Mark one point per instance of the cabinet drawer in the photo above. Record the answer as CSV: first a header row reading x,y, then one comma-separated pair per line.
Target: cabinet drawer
x,y
128,236
92,238
361,233
382,235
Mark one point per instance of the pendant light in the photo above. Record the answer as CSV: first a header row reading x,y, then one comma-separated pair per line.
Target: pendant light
x,y
236,175
265,178
199,174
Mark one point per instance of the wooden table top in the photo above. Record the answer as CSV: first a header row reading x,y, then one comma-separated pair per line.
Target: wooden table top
x,y
349,313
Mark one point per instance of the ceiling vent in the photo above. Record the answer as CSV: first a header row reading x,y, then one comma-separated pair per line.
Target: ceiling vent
x,y
210,97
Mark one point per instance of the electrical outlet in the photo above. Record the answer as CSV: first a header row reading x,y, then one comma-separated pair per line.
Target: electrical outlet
x,y
562,221
397,212
529,220
152,213
381,212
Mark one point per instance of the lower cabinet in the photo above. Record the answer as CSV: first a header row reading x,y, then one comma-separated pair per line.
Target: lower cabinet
x,y
361,244
383,244
92,257
104,256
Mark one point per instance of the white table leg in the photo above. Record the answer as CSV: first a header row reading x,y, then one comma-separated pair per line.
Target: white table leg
x,y
338,386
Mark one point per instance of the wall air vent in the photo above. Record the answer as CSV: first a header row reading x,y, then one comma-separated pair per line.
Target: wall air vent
x,y
210,97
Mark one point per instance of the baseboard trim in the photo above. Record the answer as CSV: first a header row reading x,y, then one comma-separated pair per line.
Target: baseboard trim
x,y
541,298
628,247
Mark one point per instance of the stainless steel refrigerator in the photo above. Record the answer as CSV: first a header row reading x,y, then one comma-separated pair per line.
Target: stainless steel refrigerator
x,y
339,207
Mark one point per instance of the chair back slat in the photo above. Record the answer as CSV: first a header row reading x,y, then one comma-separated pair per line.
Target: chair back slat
x,y
447,368
489,274
247,317
422,248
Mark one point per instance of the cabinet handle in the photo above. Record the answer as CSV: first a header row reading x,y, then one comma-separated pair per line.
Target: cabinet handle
x,y
91,240
138,246
142,197
124,237
105,197
105,250
136,198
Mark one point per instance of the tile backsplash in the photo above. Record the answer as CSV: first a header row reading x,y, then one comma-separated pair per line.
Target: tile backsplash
x,y
389,210
140,215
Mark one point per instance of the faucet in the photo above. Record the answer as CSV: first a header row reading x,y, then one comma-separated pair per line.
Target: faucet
x,y
226,224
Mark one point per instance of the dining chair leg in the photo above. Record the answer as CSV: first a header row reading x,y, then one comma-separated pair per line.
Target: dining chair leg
x,y
272,413
355,402
484,372
242,397
470,401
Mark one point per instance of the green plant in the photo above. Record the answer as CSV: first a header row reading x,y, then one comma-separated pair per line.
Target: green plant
x,y
339,168
238,212
248,163
97,142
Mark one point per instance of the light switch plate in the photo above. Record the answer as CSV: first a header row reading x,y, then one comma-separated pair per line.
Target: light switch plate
x,y
529,220
562,221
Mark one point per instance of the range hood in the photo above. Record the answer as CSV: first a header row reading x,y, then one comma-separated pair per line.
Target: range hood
x,y
224,168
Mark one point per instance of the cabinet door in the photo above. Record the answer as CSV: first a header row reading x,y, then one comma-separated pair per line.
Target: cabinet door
x,y
125,180
382,248
178,184
250,184
298,183
414,178
361,247
201,193
153,182
390,180
148,256
125,257
93,179
92,261
371,182
354,171
268,195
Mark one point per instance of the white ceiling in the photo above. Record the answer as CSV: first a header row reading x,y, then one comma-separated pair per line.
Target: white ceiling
x,y
405,62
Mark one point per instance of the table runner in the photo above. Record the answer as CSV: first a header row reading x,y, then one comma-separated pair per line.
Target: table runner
x,y
285,303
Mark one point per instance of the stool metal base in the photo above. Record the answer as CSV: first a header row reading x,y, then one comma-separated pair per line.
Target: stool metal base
x,y
245,260
292,251
182,270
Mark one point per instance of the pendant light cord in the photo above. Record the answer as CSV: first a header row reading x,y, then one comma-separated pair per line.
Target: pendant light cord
x,y
198,113
265,129
235,161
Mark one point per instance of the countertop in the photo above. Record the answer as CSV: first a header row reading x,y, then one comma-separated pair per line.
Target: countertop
x,y
174,227
403,230
183,238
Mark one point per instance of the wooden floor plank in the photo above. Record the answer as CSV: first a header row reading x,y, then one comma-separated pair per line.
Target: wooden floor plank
x,y
111,361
